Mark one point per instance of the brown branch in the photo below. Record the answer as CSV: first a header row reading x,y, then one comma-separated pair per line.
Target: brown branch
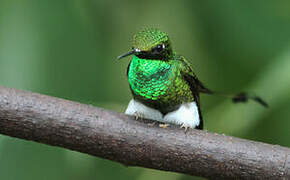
x,y
120,138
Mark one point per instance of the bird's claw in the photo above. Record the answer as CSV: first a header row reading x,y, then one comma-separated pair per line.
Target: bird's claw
x,y
185,127
138,115
163,125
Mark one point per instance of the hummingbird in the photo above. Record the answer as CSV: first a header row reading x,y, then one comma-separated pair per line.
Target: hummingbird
x,y
163,84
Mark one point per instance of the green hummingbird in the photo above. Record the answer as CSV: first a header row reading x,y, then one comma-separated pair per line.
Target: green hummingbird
x,y
163,84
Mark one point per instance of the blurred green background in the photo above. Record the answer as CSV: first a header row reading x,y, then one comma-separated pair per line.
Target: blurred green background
x,y
68,49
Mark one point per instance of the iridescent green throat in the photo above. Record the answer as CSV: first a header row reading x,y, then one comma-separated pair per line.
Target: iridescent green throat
x,y
158,83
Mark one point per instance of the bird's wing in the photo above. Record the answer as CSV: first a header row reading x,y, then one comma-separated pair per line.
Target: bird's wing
x,y
195,85
191,78
195,94
128,67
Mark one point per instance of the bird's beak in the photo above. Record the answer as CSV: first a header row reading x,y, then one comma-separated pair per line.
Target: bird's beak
x,y
134,51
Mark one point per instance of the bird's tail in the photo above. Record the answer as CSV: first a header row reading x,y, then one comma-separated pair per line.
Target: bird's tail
x,y
241,97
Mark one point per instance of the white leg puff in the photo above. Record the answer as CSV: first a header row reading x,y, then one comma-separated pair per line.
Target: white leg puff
x,y
186,115
138,109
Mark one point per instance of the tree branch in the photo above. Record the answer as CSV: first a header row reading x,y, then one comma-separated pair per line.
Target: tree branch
x,y
120,138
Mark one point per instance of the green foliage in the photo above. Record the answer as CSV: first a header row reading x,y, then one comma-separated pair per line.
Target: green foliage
x,y
68,49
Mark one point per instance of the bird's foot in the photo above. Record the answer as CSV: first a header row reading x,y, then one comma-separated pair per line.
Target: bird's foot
x,y
164,125
138,115
185,126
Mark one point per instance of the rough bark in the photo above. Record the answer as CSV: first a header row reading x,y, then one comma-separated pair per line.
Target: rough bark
x,y
120,138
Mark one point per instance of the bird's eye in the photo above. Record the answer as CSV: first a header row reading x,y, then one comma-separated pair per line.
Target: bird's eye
x,y
160,47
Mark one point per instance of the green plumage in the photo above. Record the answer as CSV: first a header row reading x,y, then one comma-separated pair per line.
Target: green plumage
x,y
160,84
149,38
157,77
163,81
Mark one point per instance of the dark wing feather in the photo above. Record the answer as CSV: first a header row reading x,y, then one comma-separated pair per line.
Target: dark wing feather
x,y
195,85
194,89
128,67
200,88
187,70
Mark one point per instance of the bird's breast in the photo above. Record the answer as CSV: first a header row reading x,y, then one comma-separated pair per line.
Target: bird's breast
x,y
151,79
158,84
